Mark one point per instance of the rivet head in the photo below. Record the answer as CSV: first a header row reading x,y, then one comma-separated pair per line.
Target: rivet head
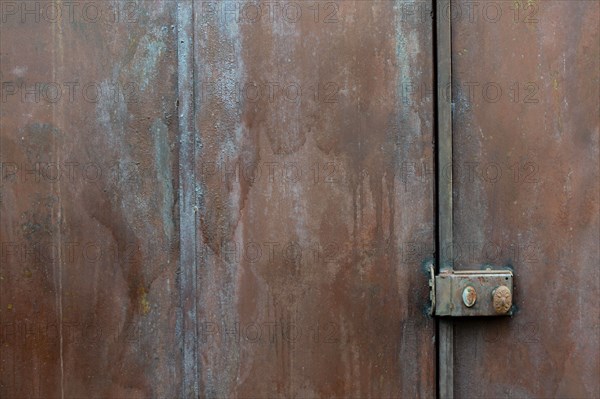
x,y
502,299
469,296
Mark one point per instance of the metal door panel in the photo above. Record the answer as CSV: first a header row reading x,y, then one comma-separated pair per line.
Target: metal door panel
x,y
526,194
88,293
303,280
309,205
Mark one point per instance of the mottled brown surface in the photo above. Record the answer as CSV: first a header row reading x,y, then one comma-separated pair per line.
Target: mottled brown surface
x,y
544,221
360,214
71,325
353,293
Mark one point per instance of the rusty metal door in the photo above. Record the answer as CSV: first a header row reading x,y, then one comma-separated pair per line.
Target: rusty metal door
x,y
216,199
526,94
240,199
89,232
307,283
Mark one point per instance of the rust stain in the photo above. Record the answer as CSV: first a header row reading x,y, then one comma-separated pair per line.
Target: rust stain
x,y
143,301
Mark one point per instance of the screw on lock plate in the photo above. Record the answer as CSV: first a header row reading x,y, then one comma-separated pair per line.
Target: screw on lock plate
x,y
469,296
502,298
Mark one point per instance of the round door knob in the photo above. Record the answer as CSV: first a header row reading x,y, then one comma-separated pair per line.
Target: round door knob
x,y
502,299
469,296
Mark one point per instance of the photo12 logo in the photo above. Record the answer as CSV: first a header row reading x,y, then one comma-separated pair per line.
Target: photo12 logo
x,y
489,92
272,171
269,92
255,12
470,12
52,12
68,172
68,92
33,255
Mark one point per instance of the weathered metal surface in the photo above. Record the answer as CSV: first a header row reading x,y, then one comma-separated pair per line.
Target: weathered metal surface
x,y
444,224
297,278
187,327
304,288
526,182
473,293
89,228
502,299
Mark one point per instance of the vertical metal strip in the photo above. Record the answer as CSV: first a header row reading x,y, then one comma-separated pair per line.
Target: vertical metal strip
x,y
444,117
187,328
444,184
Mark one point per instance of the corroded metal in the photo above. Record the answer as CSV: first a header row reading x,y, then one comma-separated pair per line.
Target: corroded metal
x,y
502,298
305,124
444,195
469,296
473,293
187,326
527,185
246,175
89,204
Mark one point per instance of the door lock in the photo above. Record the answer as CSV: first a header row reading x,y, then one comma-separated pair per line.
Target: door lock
x,y
471,293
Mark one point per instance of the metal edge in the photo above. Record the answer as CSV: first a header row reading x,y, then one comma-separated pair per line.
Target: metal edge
x,y
187,328
445,329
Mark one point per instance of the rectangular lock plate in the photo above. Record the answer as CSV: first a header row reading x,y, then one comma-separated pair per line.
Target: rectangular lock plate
x,y
472,293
